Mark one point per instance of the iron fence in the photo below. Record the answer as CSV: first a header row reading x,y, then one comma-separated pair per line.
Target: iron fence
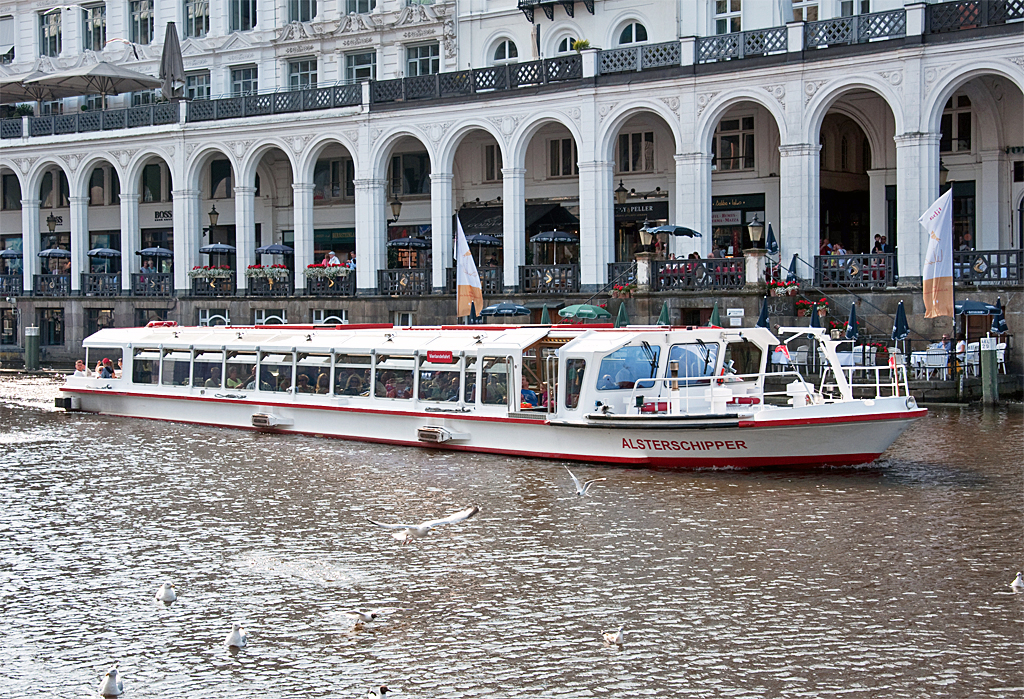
x,y
987,266
153,284
854,271
689,275
11,285
971,14
215,286
857,29
492,280
404,282
101,284
339,286
759,42
52,285
549,279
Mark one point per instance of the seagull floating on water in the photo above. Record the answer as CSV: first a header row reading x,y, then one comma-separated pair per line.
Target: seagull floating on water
x,y
361,617
166,593
582,488
1018,583
613,638
414,531
377,693
111,685
237,638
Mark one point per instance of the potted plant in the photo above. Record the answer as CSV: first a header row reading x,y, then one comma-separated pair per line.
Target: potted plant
x,y
822,307
322,271
270,272
623,291
209,272
777,287
580,44
803,306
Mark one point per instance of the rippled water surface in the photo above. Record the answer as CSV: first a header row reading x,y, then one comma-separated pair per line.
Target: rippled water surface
x,y
884,581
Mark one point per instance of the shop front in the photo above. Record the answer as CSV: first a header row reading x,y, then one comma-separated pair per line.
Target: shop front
x,y
729,218
629,219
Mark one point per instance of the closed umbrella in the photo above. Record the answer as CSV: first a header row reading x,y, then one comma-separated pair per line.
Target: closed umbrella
x,y
155,252
851,324
663,317
791,275
999,320
473,318
716,320
545,318
900,328
217,249
771,245
584,310
100,78
815,323
622,318
505,309
762,319
274,249
172,68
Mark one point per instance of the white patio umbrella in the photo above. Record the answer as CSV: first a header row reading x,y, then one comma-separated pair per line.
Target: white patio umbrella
x,y
100,78
19,88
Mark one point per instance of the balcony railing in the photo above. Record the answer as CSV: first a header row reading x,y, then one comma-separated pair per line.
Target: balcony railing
x,y
216,286
858,29
340,286
622,272
262,286
404,282
11,285
549,279
683,275
854,271
280,102
759,42
641,57
988,266
492,280
101,284
957,16
152,284
52,285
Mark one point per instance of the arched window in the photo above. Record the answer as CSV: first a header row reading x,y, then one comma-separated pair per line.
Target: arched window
x,y
506,51
865,154
633,33
565,44
844,154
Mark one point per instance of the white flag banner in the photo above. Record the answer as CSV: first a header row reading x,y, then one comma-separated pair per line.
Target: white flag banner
x,y
467,279
937,274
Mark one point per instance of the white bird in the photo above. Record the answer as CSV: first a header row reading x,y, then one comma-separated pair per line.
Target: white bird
x,y
237,638
361,617
1018,583
408,532
111,685
377,693
613,637
166,593
582,488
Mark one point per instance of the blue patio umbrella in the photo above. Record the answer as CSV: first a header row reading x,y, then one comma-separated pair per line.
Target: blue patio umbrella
x,y
900,328
505,309
104,252
55,252
967,308
155,252
762,320
771,245
791,274
487,241
851,324
274,249
999,320
675,230
10,254
815,323
217,249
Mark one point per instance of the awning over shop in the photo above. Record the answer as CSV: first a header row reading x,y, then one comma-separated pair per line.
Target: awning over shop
x,y
488,220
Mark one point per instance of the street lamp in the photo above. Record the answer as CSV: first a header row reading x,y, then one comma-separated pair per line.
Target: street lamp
x,y
621,193
943,174
51,222
646,237
214,216
756,229
396,209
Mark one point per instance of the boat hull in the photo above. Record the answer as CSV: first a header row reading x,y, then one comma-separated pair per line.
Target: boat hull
x,y
842,434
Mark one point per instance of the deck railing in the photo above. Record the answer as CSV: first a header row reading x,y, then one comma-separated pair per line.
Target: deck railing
x,y
854,271
988,266
682,275
413,281
971,14
215,286
11,285
492,280
262,286
52,285
152,284
339,286
637,58
857,29
622,272
759,42
549,279
101,284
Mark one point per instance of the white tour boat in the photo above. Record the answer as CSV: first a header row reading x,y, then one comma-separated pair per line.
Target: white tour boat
x,y
643,396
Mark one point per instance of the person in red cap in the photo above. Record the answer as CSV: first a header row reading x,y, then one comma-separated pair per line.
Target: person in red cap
x,y
106,369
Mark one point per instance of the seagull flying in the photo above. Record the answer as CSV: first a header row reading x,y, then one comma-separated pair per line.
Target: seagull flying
x,y
408,532
166,593
237,637
1018,583
111,685
613,638
584,487
378,693
361,617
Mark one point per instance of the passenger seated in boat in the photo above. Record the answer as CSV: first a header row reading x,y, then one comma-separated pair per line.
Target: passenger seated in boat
x,y
214,380
322,384
233,380
624,377
528,397
284,383
606,383
302,384
106,370
353,387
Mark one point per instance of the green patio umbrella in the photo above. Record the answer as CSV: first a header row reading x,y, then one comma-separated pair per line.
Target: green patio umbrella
x,y
715,321
663,318
545,319
583,310
622,319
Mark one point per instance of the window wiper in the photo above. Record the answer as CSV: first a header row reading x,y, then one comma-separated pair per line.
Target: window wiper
x,y
652,357
706,354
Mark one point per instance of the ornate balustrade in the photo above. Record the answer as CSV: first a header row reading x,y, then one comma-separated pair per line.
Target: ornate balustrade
x,y
52,285
404,282
152,284
11,285
854,271
549,279
857,29
759,42
988,266
263,286
684,275
492,280
213,286
339,286
101,284
957,16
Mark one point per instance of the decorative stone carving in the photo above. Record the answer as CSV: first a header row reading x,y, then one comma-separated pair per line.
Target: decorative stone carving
x,y
124,155
506,124
811,88
240,147
893,77
1017,61
776,91
573,113
353,136
449,39
25,163
672,103
703,100
72,159
354,23
299,142
437,130
415,14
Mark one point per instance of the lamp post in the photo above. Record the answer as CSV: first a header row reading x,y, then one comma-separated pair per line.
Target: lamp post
x,y
51,222
396,209
621,193
754,256
756,230
214,217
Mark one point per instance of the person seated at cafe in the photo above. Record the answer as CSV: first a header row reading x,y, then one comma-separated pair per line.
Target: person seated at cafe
x,y
945,344
961,348
528,396
878,247
351,261
81,369
492,261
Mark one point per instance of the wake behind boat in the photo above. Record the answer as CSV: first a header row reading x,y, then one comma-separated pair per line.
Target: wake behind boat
x,y
645,396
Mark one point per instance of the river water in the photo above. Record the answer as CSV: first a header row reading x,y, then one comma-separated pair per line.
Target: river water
x,y
890,580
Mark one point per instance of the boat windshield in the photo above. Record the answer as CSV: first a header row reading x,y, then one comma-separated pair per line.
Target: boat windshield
x,y
696,359
625,366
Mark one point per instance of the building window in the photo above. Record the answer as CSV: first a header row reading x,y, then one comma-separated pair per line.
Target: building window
x,y
422,60
94,27
47,197
143,316
633,33
141,21
146,97
361,66
97,319
49,34
563,157
6,40
52,107
805,10
492,163
333,179
410,173
51,326
213,316
565,44
197,18
403,319
956,125
333,316
848,8
301,10
220,179
1018,175
96,188
152,183
197,86
11,200
728,16
242,15
636,152
844,154
302,74
360,7
733,145
244,81
506,52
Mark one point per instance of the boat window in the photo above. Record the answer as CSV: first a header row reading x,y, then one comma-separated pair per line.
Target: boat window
x,y
439,379
742,358
206,369
146,366
275,371
101,353
494,381
174,371
352,359
240,371
352,375
393,377
574,370
696,359
625,366
470,380
312,372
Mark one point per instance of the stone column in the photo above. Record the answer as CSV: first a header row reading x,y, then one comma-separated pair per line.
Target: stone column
x,y
371,233
79,241
245,234
987,228
876,201
799,193
30,243
513,223
917,186
692,203
441,227
187,230
597,223
302,221
130,241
